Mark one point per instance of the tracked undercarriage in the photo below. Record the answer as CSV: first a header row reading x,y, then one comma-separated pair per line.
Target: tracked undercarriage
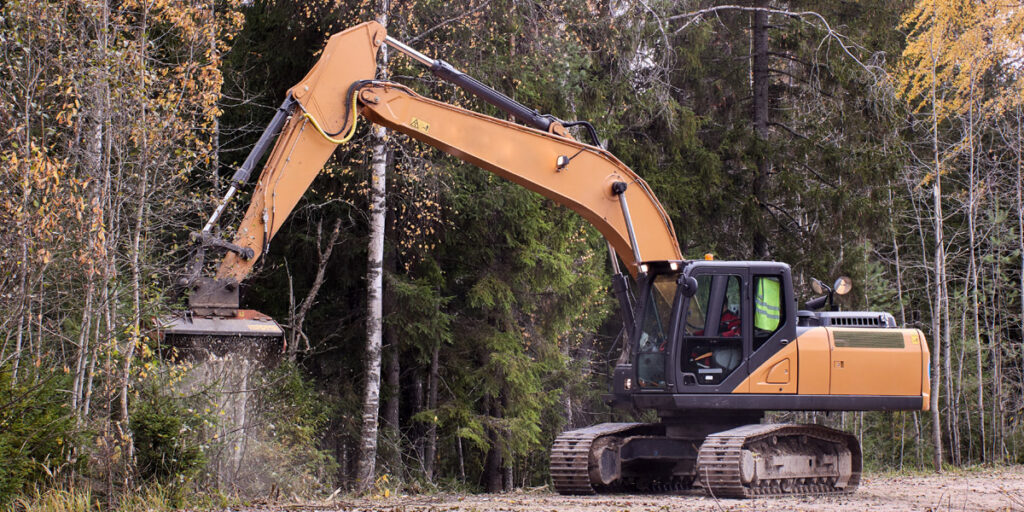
x,y
621,457
752,460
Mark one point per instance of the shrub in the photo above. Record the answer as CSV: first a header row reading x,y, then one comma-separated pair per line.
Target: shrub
x,y
167,450
36,428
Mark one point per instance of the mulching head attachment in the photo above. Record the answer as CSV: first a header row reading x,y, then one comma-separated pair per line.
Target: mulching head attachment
x,y
213,324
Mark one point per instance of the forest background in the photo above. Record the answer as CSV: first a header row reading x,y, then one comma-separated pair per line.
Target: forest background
x,y
880,139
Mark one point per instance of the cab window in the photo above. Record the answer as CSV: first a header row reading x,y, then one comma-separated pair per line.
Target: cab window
x,y
713,342
768,308
696,312
651,345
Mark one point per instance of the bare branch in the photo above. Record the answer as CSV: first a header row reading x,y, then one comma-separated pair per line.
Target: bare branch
x,y
453,19
324,255
695,16
788,129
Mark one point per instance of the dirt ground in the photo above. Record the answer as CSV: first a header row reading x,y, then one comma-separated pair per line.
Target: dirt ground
x,y
1001,489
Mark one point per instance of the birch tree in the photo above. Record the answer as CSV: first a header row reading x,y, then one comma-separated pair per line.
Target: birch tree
x,y
365,471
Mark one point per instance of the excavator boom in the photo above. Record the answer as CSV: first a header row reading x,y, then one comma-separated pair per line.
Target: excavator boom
x,y
340,86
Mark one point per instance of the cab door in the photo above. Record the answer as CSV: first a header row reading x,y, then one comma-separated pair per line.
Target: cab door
x,y
714,328
773,361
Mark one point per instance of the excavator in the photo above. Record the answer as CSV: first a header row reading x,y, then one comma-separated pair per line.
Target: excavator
x,y
712,345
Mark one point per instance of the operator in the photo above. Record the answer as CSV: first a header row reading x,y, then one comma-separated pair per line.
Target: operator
x,y
724,356
728,323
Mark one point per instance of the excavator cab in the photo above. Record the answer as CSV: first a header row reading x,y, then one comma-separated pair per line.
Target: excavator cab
x,y
702,329
728,336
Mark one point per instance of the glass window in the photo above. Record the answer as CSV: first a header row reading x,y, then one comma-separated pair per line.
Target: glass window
x,y
713,346
652,345
697,311
729,322
768,308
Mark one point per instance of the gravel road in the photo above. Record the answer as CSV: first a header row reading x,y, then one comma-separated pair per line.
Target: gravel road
x,y
995,489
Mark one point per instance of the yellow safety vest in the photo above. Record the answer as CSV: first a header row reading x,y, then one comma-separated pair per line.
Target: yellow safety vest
x,y
767,311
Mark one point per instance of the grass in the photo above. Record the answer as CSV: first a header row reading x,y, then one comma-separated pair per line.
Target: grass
x,y
928,471
153,498
55,500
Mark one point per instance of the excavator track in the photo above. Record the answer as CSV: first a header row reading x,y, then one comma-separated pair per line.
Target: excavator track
x,y
571,453
779,460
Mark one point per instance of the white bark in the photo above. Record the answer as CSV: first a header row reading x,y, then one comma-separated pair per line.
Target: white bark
x,y
940,279
1020,209
374,317
140,217
972,212
366,467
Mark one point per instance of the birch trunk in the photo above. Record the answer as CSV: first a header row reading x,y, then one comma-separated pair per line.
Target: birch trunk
x,y
135,256
26,192
82,358
940,277
374,277
947,345
366,467
899,269
972,212
930,293
998,452
1020,215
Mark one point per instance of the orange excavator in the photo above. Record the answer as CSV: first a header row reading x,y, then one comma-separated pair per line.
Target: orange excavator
x,y
712,345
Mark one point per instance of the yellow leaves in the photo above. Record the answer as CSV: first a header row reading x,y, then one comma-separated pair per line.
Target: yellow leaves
x,y
951,45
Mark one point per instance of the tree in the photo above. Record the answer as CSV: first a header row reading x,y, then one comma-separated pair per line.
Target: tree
x,y
375,281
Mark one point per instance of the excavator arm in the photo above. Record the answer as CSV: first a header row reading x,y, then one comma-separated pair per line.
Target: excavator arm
x,y
584,178
320,112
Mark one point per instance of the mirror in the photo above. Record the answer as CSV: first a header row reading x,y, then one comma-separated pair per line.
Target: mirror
x,y
843,285
817,286
687,285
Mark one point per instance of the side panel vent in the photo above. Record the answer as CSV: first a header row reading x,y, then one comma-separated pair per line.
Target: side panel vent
x,y
862,319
